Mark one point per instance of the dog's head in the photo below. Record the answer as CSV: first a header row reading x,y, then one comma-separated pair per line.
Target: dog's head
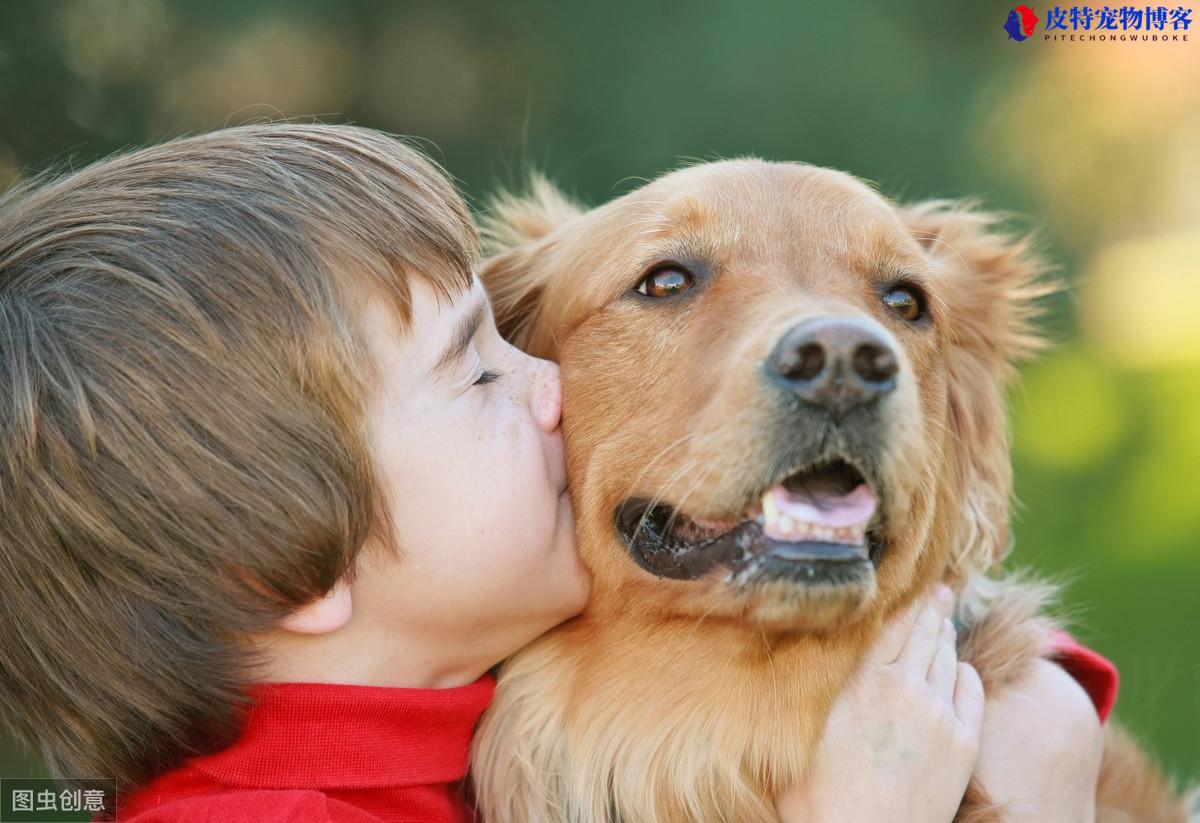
x,y
783,393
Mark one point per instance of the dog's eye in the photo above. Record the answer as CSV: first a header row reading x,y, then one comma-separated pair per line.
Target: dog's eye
x,y
906,301
666,281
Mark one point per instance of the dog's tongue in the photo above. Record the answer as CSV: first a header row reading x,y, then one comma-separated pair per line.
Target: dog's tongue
x,y
823,506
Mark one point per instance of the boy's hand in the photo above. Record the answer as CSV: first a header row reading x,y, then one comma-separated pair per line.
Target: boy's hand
x,y
902,738
1041,750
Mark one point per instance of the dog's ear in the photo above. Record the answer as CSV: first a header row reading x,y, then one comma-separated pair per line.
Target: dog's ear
x,y
989,283
517,231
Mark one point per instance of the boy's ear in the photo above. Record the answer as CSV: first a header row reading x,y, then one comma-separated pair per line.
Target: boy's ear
x,y
518,231
323,615
988,284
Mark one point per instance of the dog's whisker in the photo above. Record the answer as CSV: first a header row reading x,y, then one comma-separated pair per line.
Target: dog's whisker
x,y
684,469
714,465
681,440
677,509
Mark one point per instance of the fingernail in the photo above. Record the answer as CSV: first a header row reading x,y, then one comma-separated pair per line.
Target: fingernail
x,y
944,593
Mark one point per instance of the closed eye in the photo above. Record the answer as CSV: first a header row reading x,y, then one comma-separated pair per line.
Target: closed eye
x,y
488,376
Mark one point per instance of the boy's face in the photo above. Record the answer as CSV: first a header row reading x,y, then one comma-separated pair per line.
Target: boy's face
x,y
464,433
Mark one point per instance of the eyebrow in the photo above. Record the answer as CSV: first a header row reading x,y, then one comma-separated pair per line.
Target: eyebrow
x,y
884,262
464,332
686,249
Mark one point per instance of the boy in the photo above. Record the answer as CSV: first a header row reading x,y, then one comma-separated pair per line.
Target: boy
x,y
190,459
275,494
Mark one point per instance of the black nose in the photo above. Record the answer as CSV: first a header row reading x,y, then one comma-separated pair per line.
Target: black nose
x,y
837,363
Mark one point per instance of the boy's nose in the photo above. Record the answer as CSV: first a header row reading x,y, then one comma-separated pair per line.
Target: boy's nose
x,y
547,396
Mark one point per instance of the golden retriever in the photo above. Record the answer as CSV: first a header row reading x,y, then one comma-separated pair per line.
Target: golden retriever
x,y
784,416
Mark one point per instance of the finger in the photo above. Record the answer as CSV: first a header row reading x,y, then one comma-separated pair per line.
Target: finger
x,y
895,633
969,699
943,671
922,643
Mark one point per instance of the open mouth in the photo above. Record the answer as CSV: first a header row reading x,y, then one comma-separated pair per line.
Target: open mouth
x,y
820,523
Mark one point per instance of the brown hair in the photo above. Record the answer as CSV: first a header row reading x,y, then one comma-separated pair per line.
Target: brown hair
x,y
182,452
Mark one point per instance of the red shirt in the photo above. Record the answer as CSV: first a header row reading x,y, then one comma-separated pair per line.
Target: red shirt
x,y
365,754
1096,673
329,753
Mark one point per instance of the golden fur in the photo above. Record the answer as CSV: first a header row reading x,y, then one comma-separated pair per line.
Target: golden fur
x,y
700,700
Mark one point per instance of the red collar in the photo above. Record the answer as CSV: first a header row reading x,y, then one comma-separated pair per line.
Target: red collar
x,y
336,736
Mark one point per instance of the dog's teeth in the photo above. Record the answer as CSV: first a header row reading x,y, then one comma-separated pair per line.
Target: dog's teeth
x,y
786,527
770,510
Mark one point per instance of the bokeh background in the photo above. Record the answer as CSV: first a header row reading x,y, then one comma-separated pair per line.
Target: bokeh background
x,y
1098,144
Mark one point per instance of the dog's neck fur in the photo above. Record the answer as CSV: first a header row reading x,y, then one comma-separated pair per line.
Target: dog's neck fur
x,y
587,689
736,711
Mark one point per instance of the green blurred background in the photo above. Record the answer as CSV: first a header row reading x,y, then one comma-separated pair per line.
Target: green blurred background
x,y
1097,143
